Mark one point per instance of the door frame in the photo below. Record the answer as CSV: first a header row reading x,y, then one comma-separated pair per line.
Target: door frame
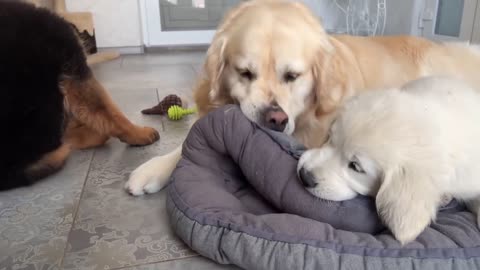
x,y
476,26
466,27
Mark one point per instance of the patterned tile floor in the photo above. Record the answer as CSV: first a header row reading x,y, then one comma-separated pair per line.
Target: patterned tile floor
x,y
81,218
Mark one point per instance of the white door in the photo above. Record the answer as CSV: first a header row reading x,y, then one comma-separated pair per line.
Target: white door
x,y
449,20
182,22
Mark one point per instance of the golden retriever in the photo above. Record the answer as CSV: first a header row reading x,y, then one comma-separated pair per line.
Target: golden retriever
x,y
274,59
408,147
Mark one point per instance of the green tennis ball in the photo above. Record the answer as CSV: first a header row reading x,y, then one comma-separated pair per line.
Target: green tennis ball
x,y
176,112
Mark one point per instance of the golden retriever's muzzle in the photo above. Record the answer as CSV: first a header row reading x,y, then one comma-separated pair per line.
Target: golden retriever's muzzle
x,y
275,118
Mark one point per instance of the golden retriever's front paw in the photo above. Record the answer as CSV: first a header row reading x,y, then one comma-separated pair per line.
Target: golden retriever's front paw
x,y
140,136
149,177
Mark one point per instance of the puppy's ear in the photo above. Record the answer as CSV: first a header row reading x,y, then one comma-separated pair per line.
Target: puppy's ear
x,y
407,202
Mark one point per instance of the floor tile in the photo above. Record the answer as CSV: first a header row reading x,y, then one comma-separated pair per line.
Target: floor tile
x,y
194,263
132,101
112,64
174,132
112,228
81,218
152,76
35,221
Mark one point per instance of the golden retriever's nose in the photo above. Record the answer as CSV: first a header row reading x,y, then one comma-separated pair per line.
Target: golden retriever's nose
x,y
276,119
307,178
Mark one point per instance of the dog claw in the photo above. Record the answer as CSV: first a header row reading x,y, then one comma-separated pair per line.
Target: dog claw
x,y
141,136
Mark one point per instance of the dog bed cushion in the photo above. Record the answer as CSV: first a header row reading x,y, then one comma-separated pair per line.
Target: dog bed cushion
x,y
235,198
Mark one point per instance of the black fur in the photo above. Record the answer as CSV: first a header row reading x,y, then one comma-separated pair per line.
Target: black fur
x,y
37,50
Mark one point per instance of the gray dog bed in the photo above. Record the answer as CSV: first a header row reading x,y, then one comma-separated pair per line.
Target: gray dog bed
x,y
235,199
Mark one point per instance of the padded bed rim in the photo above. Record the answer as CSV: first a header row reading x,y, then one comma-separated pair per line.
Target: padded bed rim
x,y
253,249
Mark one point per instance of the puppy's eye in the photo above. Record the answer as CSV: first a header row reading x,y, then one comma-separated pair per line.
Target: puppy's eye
x,y
246,74
355,166
290,76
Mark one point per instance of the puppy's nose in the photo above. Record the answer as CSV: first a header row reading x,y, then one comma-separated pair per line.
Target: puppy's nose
x,y
276,119
307,178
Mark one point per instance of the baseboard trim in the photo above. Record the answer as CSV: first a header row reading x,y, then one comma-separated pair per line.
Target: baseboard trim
x,y
156,49
124,50
181,48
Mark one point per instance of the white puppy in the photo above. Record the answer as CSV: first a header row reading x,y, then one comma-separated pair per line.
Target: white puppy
x,y
407,147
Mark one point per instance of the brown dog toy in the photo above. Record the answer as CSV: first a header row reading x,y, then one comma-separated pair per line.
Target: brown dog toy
x,y
164,105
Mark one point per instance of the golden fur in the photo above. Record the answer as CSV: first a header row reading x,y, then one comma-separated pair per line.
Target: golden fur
x,y
341,65
274,37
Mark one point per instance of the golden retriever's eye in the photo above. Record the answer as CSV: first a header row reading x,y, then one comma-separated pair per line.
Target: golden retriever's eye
x,y
246,74
290,76
355,166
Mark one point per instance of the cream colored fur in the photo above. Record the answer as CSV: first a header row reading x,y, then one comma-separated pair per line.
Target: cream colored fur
x,y
412,147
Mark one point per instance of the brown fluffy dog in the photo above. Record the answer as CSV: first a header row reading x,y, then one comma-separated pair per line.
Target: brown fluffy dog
x,y
276,61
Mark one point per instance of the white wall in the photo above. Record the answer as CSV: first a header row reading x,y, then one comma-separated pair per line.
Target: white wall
x,y
117,22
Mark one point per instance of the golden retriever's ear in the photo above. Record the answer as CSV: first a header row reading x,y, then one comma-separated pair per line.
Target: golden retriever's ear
x,y
336,78
214,65
216,60
330,82
407,202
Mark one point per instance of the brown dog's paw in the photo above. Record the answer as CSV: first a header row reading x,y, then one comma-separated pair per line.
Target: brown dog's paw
x,y
141,136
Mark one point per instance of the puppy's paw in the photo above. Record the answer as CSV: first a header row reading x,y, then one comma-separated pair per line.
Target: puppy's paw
x,y
140,136
150,177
